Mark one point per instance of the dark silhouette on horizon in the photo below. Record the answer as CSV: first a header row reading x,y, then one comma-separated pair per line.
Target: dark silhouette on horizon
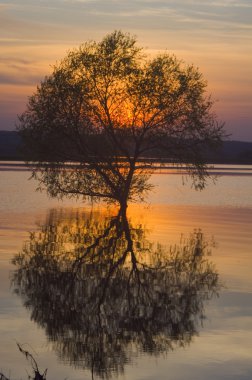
x,y
230,152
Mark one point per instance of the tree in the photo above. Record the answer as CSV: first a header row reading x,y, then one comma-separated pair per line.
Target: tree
x,y
106,107
104,292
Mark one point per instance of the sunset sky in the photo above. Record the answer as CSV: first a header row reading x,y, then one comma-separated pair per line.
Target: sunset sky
x,y
215,35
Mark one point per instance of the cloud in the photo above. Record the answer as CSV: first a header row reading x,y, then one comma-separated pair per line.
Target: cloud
x,y
18,61
213,34
68,20
18,79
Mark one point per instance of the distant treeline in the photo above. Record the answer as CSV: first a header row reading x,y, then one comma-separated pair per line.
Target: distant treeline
x,y
231,152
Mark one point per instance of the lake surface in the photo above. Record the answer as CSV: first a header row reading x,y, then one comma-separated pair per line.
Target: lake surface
x,y
201,325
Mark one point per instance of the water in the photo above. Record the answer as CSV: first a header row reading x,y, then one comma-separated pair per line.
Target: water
x,y
212,341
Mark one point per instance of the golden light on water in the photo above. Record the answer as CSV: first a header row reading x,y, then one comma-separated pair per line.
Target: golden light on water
x,y
222,214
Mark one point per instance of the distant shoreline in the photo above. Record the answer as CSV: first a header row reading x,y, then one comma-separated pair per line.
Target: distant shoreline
x,y
230,153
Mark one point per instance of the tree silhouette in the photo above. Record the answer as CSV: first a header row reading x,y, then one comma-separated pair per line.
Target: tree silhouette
x,y
103,292
106,107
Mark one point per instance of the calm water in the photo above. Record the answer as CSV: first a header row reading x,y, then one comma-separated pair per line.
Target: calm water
x,y
202,326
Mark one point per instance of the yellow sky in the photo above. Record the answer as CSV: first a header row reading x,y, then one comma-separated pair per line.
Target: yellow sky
x,y
214,35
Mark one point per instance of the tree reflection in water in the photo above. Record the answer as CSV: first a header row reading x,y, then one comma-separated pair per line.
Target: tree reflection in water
x,y
103,292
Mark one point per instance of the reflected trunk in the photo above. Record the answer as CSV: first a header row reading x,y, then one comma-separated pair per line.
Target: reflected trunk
x,y
104,293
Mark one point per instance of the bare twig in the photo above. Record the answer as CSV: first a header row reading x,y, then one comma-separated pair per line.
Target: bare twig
x,y
30,358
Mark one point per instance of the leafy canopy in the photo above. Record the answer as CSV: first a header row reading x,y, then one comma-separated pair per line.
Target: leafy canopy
x,y
106,106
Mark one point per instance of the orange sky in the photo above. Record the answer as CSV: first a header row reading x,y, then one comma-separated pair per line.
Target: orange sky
x,y
214,35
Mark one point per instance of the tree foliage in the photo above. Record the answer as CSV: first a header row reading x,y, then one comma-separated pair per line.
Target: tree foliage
x,y
106,106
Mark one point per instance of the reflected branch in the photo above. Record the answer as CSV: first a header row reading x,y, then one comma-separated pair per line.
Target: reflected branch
x,y
104,293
